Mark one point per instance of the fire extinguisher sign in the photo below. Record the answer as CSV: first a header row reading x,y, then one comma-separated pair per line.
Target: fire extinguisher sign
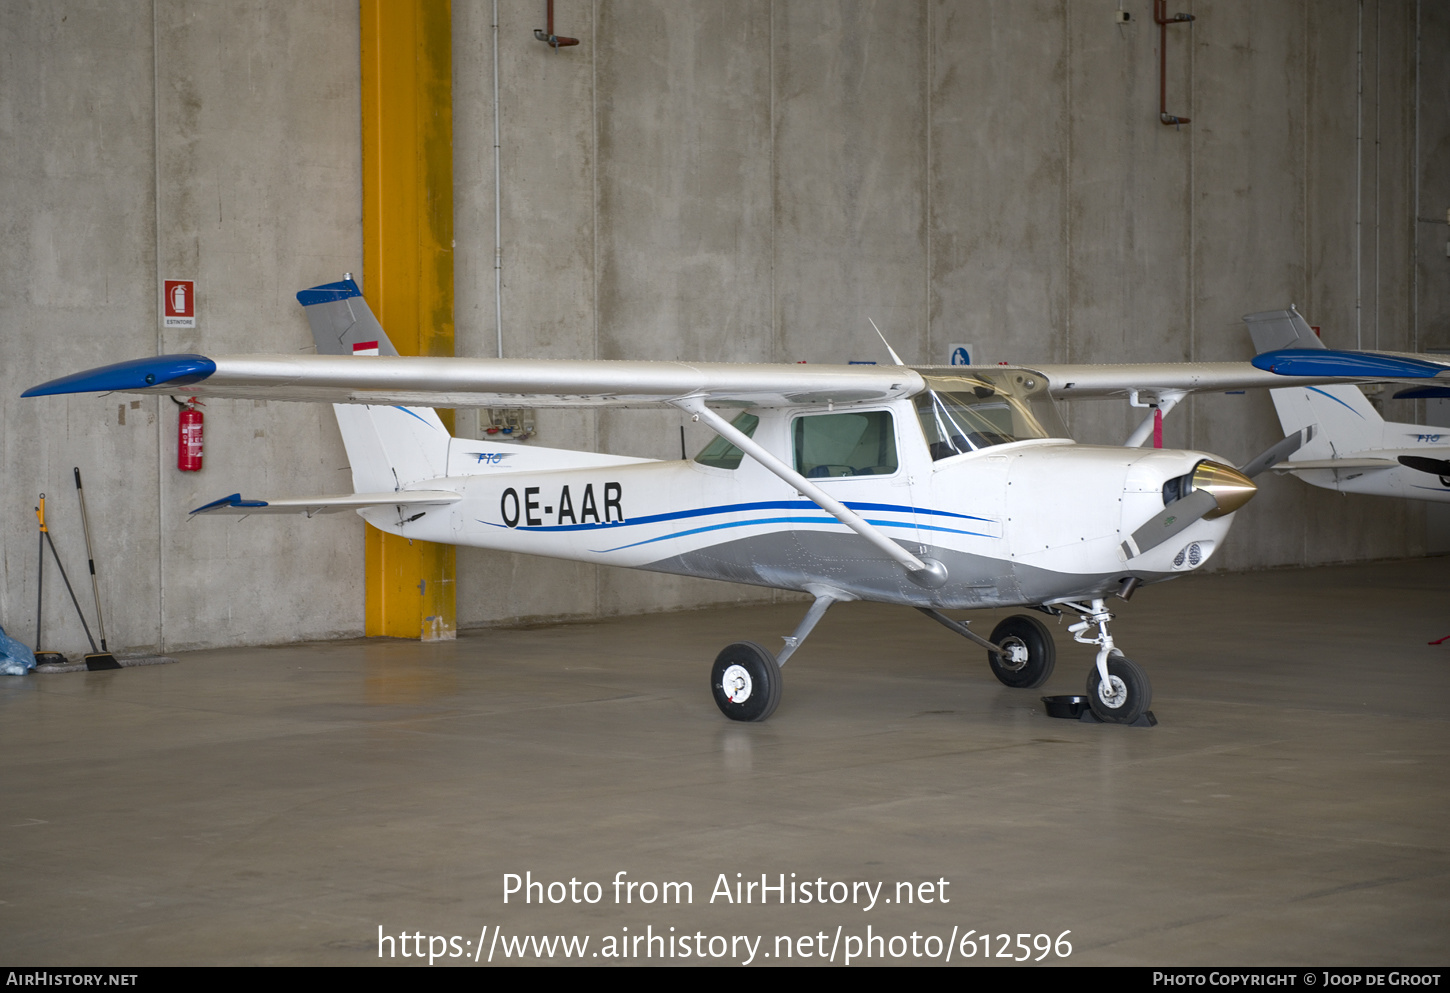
x,y
178,303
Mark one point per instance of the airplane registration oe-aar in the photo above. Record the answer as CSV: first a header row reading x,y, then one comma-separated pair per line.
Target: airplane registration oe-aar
x,y
939,488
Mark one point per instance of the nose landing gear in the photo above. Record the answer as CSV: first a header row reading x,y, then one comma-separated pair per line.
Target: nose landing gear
x,y
1118,689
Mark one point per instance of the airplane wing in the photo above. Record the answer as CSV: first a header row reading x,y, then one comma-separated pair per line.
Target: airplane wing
x,y
1154,379
470,382
474,382
336,503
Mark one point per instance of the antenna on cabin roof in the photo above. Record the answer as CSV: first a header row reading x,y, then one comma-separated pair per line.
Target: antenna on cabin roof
x,y
894,357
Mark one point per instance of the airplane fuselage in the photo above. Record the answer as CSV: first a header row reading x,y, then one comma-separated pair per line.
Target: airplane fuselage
x,y
1025,522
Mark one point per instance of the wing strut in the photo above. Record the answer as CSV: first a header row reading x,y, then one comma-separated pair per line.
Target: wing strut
x,y
1165,402
928,573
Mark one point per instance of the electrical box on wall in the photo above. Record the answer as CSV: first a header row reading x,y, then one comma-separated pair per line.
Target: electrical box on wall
x,y
506,424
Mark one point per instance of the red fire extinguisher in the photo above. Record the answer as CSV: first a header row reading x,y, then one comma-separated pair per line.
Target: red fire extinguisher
x,y
188,437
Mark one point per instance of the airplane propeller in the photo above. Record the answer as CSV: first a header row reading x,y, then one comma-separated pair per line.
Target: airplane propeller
x,y
1210,490
1278,452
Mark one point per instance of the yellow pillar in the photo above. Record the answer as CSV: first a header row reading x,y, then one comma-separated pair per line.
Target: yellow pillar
x,y
407,134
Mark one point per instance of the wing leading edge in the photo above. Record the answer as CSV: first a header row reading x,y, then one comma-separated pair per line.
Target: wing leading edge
x,y
470,382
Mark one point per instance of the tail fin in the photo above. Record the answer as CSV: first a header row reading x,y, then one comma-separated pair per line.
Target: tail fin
x,y
1273,330
1343,420
388,447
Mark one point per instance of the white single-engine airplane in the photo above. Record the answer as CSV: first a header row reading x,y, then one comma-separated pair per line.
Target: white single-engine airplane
x,y
1350,448
934,487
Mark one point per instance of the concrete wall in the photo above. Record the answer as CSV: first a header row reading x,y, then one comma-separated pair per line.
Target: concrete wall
x,y
751,180
723,179
145,141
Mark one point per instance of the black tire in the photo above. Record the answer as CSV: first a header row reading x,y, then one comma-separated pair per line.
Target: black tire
x,y
746,682
1032,635
1129,696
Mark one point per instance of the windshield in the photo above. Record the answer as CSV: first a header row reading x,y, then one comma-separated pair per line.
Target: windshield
x,y
720,453
966,413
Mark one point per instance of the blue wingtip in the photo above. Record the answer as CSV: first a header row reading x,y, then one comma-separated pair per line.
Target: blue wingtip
x,y
328,292
1358,365
1423,393
174,371
235,500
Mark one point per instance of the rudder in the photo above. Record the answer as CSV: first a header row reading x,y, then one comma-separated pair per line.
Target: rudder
x,y
388,446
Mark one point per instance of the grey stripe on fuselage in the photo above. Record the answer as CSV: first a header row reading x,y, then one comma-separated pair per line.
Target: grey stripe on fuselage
x,y
794,560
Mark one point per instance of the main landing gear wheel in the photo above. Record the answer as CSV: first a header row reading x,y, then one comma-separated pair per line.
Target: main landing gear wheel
x,y
1030,652
1126,695
746,682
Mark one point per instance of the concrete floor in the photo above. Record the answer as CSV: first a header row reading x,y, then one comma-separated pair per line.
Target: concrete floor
x,y
280,805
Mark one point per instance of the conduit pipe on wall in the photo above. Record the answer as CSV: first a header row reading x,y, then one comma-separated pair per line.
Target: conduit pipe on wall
x,y
497,200
549,37
1161,18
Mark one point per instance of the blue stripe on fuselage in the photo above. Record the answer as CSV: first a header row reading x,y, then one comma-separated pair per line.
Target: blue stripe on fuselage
x,y
738,508
759,505
823,519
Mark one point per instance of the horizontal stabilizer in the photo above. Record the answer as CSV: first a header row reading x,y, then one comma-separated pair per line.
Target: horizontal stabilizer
x,y
1435,467
1366,463
1423,393
336,503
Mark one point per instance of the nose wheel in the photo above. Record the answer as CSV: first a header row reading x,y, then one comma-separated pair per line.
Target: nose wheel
x,y
1124,697
1118,689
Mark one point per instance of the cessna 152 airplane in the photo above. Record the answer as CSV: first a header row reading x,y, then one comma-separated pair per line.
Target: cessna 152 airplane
x,y
934,487
1352,448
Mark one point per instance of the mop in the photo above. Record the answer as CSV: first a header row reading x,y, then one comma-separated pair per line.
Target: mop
x,y
97,659
104,659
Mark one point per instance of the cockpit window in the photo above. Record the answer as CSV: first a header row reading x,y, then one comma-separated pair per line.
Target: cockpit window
x,y
849,444
966,413
720,454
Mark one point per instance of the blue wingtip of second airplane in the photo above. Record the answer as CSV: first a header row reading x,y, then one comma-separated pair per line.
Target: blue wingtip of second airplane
x,y
1360,365
175,371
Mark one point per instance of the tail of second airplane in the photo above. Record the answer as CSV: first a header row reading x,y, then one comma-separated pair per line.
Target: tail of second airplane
x,y
388,446
1341,419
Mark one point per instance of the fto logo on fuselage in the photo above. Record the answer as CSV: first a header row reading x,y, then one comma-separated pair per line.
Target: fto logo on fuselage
x,y
531,512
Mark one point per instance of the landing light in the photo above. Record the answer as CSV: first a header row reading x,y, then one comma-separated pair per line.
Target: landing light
x,y
1193,555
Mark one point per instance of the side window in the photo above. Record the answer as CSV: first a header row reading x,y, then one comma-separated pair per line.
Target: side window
x,y
854,444
720,454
